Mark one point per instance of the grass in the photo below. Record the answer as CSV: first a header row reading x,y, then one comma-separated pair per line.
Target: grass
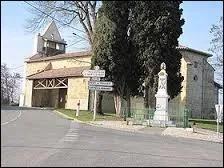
x,y
207,124
88,116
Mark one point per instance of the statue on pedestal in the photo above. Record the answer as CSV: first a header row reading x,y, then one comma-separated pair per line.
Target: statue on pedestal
x,y
161,113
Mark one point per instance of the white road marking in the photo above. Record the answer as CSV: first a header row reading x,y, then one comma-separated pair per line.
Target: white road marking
x,y
12,119
72,134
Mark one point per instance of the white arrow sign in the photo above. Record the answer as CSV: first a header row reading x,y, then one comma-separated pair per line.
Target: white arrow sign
x,y
101,88
93,73
100,83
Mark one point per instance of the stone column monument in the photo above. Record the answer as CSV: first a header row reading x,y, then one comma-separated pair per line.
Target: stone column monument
x,y
161,113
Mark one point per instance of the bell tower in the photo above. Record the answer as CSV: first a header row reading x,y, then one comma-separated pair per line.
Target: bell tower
x,y
50,42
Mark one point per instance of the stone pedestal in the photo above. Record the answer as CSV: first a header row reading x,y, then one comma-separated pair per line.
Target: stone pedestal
x,y
161,114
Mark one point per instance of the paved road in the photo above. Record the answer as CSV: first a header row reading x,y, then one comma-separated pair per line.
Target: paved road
x,y
42,138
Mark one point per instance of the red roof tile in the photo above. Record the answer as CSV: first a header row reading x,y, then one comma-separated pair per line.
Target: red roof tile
x,y
56,73
42,57
180,47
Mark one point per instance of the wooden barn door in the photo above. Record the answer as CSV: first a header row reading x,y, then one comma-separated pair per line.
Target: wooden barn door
x,y
62,98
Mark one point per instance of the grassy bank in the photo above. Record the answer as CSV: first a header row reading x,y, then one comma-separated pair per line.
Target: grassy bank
x,y
207,124
88,116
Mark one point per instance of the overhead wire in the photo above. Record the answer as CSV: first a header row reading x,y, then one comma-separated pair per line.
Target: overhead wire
x,y
57,20
62,24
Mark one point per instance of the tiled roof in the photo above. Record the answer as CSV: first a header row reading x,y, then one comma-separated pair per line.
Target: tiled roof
x,y
56,73
42,57
180,47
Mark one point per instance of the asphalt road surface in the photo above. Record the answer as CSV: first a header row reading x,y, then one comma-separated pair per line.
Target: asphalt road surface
x,y
35,137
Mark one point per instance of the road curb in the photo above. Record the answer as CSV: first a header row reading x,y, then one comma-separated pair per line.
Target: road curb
x,y
66,116
127,130
95,124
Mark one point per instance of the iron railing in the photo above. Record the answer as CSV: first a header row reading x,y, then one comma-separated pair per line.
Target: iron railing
x,y
141,116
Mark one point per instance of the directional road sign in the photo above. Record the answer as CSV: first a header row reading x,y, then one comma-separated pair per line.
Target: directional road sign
x,y
100,83
93,73
101,88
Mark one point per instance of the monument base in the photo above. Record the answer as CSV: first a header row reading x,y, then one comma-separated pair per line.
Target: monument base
x,y
161,123
160,115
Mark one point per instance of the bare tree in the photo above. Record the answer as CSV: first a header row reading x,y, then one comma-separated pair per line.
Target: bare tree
x,y
217,48
9,85
5,75
13,85
67,13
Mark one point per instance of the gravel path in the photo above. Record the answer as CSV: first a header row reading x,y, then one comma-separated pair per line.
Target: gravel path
x,y
201,134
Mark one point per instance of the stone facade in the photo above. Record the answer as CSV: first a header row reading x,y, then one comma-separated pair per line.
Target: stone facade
x,y
77,86
198,91
77,90
199,94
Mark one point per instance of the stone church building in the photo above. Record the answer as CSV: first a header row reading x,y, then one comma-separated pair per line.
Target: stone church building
x,y
53,78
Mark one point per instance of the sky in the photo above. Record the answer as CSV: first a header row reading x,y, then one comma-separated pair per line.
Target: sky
x,y
17,44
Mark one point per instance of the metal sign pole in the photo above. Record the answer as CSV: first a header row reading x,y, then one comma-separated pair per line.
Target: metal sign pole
x,y
95,93
218,129
94,111
217,107
97,85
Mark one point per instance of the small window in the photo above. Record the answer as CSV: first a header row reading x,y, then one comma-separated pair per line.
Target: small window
x,y
52,45
195,64
195,77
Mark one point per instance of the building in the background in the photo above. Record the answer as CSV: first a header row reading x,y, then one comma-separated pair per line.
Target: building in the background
x,y
54,79
200,91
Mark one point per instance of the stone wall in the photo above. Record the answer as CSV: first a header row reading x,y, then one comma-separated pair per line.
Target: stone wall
x,y
77,90
198,93
108,103
200,88
209,96
28,93
34,67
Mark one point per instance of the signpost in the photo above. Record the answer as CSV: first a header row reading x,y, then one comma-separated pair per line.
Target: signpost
x,y
94,73
101,88
96,84
219,112
100,83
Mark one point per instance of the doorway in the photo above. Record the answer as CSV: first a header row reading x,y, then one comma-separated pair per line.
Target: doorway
x,y
62,98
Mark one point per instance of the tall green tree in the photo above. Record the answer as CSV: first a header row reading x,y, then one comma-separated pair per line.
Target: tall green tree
x,y
111,49
156,27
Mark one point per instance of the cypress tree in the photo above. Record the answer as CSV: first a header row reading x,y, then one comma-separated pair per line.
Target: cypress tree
x,y
156,27
110,47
